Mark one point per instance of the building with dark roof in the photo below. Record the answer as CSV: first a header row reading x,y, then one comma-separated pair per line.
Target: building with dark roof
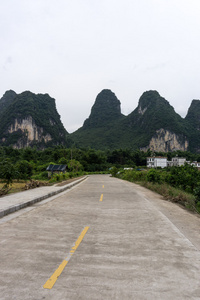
x,y
56,169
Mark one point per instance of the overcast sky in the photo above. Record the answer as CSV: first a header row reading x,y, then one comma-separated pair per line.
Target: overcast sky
x,y
72,49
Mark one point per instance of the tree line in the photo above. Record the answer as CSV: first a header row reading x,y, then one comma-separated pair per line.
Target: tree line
x,y
27,162
179,184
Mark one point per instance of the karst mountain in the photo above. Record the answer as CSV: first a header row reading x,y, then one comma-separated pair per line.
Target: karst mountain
x,y
29,119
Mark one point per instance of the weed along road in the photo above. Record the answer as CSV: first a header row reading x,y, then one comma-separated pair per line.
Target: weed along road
x,y
103,239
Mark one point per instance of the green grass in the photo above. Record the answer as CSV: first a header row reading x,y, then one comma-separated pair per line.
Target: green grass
x,y
173,194
170,193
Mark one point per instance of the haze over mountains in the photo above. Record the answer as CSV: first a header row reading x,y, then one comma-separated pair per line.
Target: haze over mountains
x,y
28,119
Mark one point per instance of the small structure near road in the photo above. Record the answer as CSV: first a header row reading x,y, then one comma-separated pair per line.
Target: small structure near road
x,y
56,169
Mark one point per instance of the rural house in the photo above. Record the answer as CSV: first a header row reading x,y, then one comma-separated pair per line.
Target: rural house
x,y
56,169
155,162
162,162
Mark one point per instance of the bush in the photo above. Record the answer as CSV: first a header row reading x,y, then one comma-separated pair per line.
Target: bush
x,y
24,169
7,171
113,171
153,176
41,176
197,192
63,161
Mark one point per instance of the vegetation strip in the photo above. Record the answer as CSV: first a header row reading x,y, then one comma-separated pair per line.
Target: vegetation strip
x,y
177,184
52,280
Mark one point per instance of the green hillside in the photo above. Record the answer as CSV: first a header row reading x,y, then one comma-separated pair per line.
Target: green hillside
x,y
154,123
153,113
41,108
97,130
6,100
193,119
133,131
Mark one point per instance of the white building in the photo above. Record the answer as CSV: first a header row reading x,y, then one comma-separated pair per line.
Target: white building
x,y
195,164
155,162
178,161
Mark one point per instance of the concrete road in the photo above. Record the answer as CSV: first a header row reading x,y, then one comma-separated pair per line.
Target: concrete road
x,y
103,239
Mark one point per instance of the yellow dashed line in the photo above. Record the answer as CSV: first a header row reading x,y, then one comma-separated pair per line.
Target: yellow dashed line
x,y
52,280
101,198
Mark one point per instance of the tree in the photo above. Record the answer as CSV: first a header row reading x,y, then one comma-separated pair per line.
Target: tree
x,y
153,176
74,165
24,168
7,171
63,161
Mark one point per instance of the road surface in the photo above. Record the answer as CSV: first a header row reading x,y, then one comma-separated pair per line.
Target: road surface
x,y
103,239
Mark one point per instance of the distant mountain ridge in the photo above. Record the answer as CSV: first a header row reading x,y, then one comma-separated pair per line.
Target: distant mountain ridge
x,y
29,119
152,125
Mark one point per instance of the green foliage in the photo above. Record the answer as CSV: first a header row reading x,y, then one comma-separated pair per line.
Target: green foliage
x,y
184,177
63,161
133,175
7,171
179,184
62,176
74,165
24,169
6,100
41,176
41,108
153,176
105,109
197,192
107,128
113,171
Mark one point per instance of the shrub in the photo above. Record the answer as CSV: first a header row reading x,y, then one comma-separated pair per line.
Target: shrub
x,y
7,171
197,192
41,176
153,176
24,168
113,171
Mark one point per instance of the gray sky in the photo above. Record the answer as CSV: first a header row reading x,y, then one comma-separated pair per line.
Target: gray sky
x,y
72,49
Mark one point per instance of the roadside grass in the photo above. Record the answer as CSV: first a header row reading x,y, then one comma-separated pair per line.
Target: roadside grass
x,y
168,192
160,182
172,194
20,185
15,187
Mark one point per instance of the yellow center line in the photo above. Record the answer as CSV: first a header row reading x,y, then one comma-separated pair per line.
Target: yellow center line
x,y
52,280
103,186
101,198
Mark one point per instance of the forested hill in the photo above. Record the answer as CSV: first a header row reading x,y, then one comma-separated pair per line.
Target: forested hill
x,y
6,100
28,119
106,110
97,131
154,125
